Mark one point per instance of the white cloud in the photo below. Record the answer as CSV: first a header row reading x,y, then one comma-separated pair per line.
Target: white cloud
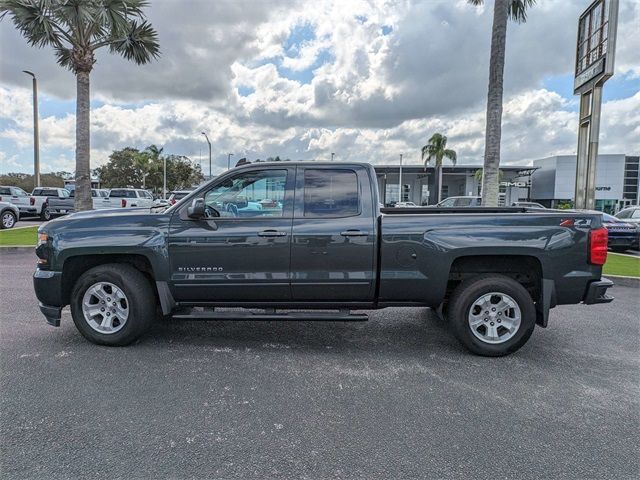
x,y
394,73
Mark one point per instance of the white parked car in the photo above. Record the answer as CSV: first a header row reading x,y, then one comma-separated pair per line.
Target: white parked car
x,y
9,215
406,205
20,198
127,198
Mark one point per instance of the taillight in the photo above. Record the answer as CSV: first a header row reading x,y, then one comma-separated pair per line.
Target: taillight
x,y
32,201
598,243
123,203
173,201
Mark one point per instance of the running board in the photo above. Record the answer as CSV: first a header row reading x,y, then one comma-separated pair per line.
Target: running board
x,y
270,316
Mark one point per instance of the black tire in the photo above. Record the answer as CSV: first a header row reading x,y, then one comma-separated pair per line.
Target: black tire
x,y
45,214
472,289
140,297
8,219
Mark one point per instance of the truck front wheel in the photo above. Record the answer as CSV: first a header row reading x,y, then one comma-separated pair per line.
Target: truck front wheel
x,y
492,315
112,304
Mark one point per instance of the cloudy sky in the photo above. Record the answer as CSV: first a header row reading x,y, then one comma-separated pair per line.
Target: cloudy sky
x,y
367,80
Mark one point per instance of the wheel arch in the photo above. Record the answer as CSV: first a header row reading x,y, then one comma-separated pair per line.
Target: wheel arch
x,y
525,269
75,266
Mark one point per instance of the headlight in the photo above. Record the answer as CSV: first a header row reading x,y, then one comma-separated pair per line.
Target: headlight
x,y
42,238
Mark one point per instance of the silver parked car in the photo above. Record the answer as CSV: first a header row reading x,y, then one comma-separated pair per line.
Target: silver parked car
x,y
9,215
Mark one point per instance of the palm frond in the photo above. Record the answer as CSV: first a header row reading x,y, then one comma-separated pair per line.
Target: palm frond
x,y
140,44
518,9
34,21
63,56
451,155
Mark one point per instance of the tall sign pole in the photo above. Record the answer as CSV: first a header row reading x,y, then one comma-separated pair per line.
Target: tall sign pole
x,y
595,54
36,135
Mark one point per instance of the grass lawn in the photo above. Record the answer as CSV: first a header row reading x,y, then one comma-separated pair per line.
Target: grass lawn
x,y
622,265
20,236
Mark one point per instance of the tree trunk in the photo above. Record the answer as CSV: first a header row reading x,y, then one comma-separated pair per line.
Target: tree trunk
x,y
439,180
494,105
83,199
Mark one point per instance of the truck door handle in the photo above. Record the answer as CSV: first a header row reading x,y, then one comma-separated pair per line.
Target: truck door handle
x,y
353,233
272,233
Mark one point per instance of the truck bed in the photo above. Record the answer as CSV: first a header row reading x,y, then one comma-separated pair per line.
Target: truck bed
x,y
429,210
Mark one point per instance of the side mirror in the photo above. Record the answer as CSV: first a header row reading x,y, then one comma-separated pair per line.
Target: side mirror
x,y
196,209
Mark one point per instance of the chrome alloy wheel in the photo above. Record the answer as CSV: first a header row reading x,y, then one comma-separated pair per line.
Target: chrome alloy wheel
x,y
494,317
8,220
105,307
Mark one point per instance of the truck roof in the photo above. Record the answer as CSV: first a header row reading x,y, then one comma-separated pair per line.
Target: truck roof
x,y
323,163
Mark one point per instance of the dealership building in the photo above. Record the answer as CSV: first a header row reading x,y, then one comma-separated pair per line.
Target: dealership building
x,y
459,180
549,181
617,182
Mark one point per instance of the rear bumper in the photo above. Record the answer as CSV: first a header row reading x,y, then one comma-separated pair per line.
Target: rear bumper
x,y
48,287
597,292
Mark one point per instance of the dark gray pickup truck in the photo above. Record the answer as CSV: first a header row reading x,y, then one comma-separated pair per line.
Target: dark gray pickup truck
x,y
311,237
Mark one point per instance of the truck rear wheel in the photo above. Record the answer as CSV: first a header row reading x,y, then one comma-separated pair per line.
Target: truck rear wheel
x,y
492,315
112,304
46,213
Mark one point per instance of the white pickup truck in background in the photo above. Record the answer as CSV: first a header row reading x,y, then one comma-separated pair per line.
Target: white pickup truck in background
x,y
126,198
64,205
44,196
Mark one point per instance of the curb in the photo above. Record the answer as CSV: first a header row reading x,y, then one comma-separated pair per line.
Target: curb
x,y
624,281
624,254
18,248
24,226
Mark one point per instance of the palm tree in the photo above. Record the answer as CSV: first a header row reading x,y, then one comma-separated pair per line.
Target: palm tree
x,y
437,150
502,11
76,29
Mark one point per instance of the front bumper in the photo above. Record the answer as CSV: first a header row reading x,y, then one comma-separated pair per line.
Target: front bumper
x,y
51,314
48,287
597,292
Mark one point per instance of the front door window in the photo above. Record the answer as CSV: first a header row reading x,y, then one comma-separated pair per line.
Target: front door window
x,y
249,194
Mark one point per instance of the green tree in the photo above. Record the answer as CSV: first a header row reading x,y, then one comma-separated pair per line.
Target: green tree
x,y
503,10
27,182
131,167
76,29
436,150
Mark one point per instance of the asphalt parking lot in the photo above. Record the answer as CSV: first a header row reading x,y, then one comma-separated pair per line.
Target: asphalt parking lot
x,y
395,397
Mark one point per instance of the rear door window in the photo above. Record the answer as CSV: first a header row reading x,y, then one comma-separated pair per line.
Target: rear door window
x,y
331,193
119,193
463,202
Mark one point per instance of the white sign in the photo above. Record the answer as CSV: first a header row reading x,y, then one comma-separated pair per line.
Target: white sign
x,y
514,184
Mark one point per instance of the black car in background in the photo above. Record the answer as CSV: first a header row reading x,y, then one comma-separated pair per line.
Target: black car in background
x,y
622,235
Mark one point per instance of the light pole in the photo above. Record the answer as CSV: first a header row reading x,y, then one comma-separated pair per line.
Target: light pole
x,y
400,181
229,160
36,136
209,143
332,156
164,181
